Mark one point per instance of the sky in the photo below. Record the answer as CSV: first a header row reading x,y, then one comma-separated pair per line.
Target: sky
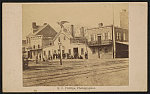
x,y
79,14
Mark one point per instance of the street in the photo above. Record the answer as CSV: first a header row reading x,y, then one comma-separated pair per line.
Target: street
x,y
100,72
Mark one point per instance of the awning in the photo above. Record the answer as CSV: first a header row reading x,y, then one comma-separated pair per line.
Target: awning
x,y
126,43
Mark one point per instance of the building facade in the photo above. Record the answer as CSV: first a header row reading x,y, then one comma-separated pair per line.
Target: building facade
x,y
70,46
100,42
95,43
37,39
44,43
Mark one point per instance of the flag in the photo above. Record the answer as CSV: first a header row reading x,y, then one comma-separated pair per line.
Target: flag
x,y
62,22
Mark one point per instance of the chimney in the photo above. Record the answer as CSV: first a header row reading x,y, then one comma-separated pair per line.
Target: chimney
x,y
34,27
82,31
45,23
100,25
72,31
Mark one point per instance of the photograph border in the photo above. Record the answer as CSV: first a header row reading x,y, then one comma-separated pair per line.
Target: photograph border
x,y
3,46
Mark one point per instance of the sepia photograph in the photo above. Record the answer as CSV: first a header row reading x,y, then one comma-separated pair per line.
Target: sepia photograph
x,y
74,47
75,44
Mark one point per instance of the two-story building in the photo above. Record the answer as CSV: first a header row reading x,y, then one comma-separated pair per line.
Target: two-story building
x,y
122,42
24,49
100,42
72,47
44,43
38,38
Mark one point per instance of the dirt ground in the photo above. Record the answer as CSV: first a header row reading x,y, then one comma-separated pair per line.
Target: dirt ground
x,y
106,72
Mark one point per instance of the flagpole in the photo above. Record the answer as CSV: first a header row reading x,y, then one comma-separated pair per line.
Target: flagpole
x,y
113,34
59,42
60,54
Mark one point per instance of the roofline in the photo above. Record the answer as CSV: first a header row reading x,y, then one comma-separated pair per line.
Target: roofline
x,y
58,35
106,26
40,29
99,27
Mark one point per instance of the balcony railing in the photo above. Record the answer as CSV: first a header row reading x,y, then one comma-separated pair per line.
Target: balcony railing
x,y
32,48
99,43
78,40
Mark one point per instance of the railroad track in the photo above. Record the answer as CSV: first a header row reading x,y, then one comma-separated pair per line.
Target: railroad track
x,y
51,69
38,80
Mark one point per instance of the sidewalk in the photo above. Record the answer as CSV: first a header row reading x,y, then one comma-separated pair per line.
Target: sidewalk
x,y
68,61
54,62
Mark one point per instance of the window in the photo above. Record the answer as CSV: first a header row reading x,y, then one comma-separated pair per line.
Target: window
x,y
54,51
64,38
31,55
33,46
92,38
44,53
34,53
103,36
82,51
117,36
69,51
38,46
124,36
109,36
29,40
93,51
106,36
63,51
95,37
49,52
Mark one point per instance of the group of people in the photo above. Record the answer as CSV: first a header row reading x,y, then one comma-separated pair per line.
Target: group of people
x,y
64,56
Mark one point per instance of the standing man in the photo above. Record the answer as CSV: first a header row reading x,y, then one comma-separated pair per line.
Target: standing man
x,y
86,55
36,59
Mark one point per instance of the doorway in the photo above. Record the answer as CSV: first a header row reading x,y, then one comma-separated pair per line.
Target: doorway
x,y
99,39
30,54
75,51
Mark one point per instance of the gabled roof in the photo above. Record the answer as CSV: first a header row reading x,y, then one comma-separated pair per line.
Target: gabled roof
x,y
46,30
62,32
30,34
39,29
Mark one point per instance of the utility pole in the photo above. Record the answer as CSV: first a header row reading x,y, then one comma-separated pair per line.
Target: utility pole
x,y
113,36
60,52
59,42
